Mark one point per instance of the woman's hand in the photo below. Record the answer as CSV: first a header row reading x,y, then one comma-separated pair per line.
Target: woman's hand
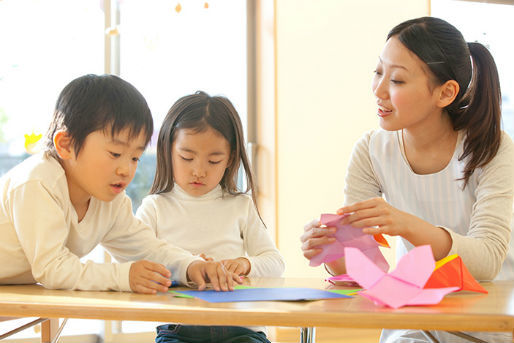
x,y
377,216
314,236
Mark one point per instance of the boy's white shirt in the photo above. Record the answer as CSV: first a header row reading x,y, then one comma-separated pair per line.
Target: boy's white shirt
x,y
217,224
42,240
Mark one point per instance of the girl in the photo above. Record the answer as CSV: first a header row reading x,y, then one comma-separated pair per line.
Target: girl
x,y
195,202
441,170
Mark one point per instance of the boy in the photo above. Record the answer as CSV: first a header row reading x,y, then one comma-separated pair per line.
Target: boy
x,y
58,205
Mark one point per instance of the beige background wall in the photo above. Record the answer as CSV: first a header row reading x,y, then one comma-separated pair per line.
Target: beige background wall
x,y
326,52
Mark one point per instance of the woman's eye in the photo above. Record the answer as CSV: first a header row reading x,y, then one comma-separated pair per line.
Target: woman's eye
x,y
115,154
135,159
397,82
215,162
186,159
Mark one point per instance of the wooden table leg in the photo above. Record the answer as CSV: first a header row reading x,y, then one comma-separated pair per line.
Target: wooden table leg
x,y
49,330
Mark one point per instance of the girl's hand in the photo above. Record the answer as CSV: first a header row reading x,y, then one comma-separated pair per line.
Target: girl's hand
x,y
239,266
149,277
206,258
201,272
313,236
377,216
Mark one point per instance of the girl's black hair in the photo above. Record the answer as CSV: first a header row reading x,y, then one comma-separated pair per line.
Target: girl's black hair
x,y
198,112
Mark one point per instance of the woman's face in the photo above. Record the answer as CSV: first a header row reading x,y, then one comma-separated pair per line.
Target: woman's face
x,y
405,94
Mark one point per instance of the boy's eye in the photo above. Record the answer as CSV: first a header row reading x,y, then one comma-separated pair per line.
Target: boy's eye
x,y
115,154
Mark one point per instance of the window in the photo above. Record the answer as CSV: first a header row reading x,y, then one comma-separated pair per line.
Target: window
x,y
490,24
45,44
167,49
168,53
164,52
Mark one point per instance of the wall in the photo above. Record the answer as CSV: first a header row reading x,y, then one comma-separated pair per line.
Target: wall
x,y
325,52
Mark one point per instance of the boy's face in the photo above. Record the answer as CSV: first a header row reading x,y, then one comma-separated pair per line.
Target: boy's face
x,y
104,167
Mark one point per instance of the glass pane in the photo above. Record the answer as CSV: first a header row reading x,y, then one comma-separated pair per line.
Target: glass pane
x,y
169,51
491,25
45,44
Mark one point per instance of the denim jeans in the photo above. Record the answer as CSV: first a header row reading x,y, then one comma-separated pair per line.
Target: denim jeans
x,y
176,333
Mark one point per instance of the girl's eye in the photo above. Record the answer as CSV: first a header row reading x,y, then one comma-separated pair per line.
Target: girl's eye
x,y
397,82
115,154
186,159
215,162
376,72
135,159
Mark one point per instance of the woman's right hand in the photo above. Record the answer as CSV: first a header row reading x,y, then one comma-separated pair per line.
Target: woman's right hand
x,y
314,236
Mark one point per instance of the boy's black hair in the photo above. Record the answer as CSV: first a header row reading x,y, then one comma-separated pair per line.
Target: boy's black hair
x,y
99,102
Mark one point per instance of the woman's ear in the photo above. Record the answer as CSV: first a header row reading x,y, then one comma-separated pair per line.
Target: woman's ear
x,y
447,93
63,144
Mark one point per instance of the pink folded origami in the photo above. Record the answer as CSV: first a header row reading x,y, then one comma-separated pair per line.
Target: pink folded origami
x,y
349,236
404,285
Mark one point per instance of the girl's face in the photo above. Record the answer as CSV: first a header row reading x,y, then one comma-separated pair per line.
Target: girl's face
x,y
199,160
405,94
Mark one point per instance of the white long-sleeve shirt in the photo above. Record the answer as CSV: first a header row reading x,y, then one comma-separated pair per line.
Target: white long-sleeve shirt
x,y
42,240
478,217
217,224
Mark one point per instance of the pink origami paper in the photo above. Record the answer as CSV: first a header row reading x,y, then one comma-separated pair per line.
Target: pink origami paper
x,y
349,236
404,285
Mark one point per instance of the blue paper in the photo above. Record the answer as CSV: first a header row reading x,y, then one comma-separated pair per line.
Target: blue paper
x,y
263,294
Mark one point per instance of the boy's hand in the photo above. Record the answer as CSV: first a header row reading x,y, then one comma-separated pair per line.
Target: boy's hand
x,y
239,266
149,277
201,272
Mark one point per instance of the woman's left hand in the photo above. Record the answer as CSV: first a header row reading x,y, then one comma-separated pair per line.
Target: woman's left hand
x,y
377,216
239,266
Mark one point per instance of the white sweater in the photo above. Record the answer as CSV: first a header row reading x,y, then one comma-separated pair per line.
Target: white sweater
x,y
42,240
478,218
217,224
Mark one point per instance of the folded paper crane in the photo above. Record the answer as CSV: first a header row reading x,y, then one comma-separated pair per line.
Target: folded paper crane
x,y
404,285
452,272
349,236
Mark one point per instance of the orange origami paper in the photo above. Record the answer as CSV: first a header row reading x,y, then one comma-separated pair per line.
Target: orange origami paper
x,y
451,272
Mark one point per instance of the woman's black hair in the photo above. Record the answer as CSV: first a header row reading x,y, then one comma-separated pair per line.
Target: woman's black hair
x,y
477,107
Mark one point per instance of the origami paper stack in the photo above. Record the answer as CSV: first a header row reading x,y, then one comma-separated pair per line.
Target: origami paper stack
x,y
349,236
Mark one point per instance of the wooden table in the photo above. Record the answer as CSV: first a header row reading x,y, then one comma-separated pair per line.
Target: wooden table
x,y
463,311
